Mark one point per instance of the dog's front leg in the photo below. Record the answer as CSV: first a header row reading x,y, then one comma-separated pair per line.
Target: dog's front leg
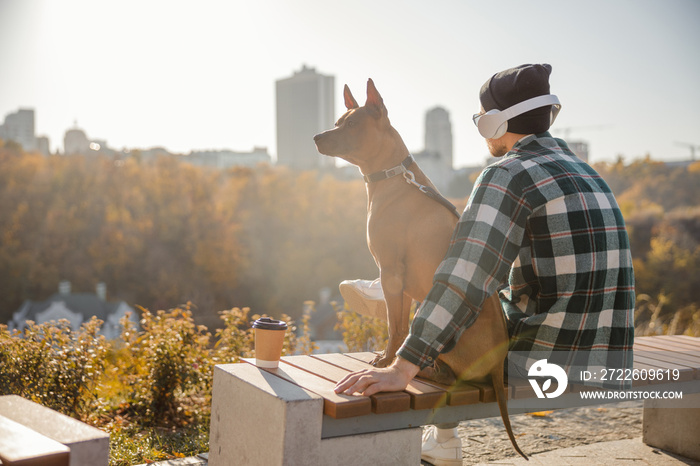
x,y
398,307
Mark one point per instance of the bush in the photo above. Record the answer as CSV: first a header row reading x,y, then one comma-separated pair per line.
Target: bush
x,y
168,361
53,365
362,333
151,389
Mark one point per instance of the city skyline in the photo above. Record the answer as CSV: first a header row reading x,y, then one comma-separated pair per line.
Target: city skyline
x,y
193,77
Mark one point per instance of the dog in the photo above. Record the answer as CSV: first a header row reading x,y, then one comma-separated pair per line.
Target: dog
x,y
408,234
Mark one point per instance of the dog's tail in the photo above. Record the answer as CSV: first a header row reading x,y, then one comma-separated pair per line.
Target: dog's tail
x,y
499,388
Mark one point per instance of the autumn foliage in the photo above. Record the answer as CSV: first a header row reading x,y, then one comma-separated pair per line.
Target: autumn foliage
x,y
163,232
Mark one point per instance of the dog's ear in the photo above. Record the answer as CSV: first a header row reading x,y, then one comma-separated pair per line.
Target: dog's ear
x,y
375,103
350,101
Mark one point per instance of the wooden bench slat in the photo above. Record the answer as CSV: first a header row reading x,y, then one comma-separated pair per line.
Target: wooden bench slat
x,y
423,395
460,394
671,347
521,388
336,405
21,446
385,402
684,341
669,358
641,362
680,354
365,356
695,341
666,344
316,366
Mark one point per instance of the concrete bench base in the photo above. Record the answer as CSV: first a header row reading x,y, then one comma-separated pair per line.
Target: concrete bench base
x,y
88,445
260,419
673,425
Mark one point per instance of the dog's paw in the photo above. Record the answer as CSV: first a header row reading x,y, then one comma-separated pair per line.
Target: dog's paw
x,y
381,360
439,372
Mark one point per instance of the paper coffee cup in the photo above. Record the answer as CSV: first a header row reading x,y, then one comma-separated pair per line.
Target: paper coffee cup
x,y
269,339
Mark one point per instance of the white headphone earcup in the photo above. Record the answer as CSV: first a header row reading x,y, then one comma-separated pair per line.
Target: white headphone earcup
x,y
491,123
500,131
494,123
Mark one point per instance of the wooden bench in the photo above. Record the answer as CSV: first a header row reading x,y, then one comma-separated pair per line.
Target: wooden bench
x,y
291,415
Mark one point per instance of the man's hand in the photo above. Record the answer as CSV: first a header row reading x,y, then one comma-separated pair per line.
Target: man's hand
x,y
370,381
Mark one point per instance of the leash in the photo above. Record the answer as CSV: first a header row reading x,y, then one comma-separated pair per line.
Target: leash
x,y
402,169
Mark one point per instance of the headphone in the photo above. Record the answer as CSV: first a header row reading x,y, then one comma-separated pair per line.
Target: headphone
x,y
494,123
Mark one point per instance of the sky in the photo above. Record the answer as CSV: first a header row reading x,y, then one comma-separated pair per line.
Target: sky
x,y
201,75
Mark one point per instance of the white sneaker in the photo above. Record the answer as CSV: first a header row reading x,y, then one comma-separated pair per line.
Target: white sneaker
x,y
447,453
364,297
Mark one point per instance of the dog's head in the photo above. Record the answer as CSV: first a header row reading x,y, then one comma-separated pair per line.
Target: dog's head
x,y
358,131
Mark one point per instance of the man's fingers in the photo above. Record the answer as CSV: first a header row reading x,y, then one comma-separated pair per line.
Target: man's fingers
x,y
348,382
357,382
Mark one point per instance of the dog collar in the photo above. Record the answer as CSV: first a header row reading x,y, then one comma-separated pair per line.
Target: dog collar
x,y
384,174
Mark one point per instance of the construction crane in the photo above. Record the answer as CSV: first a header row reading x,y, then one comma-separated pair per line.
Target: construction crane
x,y
692,148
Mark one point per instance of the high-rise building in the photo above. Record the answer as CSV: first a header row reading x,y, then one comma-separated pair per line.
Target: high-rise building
x,y
436,159
305,107
19,127
438,135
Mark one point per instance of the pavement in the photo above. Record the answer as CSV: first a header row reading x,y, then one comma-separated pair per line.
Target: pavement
x,y
618,452
622,452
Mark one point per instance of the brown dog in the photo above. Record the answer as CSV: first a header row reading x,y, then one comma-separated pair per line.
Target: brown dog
x,y
408,234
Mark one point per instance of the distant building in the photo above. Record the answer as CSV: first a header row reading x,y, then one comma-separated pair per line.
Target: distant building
x,y
222,159
305,107
436,159
42,145
580,148
19,127
438,134
76,308
75,141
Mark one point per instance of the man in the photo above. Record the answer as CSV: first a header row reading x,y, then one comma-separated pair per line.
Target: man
x,y
543,230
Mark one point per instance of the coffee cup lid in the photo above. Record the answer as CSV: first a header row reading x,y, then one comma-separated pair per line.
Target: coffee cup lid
x,y
267,323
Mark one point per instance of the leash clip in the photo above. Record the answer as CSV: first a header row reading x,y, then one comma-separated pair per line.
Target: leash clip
x,y
411,179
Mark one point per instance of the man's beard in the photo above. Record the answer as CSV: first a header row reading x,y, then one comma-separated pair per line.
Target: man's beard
x,y
496,147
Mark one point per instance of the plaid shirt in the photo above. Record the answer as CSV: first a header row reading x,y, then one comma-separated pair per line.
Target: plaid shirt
x,y
542,229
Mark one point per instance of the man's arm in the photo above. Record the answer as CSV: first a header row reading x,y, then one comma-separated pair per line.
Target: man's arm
x,y
485,244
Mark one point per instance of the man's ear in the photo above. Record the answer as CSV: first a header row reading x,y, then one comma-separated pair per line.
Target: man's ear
x,y
350,101
375,103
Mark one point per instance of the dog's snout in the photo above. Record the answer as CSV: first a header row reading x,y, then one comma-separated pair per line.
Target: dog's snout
x,y
318,136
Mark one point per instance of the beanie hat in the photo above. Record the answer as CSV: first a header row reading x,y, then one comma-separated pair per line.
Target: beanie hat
x,y
516,85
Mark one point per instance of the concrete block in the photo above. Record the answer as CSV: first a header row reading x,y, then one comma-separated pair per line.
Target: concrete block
x,y
377,449
88,445
673,425
260,419
20,445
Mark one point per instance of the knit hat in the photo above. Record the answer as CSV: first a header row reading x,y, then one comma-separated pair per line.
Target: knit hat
x,y
516,85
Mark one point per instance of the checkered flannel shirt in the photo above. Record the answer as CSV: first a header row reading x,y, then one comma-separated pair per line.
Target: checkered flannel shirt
x,y
542,229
